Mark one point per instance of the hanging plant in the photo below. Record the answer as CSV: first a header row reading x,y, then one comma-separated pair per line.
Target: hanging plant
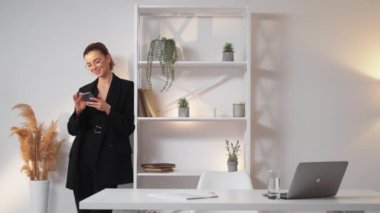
x,y
164,50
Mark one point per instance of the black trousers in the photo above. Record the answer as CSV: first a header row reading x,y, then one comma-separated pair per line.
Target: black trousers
x,y
88,187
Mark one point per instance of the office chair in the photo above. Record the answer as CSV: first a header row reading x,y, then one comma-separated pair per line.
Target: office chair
x,y
224,180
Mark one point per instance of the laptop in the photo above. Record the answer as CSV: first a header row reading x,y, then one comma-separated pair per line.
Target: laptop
x,y
316,179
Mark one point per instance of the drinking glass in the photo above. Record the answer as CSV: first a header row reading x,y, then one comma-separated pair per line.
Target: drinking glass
x,y
273,184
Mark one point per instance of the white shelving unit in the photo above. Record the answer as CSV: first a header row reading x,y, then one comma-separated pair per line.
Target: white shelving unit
x,y
195,144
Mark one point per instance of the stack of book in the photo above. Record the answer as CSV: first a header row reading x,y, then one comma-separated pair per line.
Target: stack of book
x,y
147,106
158,167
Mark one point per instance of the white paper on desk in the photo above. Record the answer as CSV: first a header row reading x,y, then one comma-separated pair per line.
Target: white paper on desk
x,y
183,195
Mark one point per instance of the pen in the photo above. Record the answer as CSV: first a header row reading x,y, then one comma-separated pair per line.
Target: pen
x,y
196,198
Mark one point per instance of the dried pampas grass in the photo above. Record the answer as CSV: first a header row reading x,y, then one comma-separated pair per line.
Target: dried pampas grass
x,y
39,147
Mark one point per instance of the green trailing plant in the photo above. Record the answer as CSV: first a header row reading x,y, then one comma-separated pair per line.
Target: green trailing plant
x,y
232,150
183,103
228,47
163,49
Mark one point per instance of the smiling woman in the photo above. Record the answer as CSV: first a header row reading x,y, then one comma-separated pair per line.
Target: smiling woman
x,y
99,59
100,156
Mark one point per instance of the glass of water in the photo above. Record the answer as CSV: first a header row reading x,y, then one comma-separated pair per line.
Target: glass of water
x,y
273,184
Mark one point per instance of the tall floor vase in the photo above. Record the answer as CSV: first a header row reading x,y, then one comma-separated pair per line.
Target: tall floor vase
x,y
39,194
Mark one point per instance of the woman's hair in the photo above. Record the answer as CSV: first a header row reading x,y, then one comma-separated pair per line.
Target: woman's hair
x,y
100,47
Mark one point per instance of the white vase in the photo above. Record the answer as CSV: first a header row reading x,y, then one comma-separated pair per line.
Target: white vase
x,y
239,110
183,112
39,194
232,166
228,56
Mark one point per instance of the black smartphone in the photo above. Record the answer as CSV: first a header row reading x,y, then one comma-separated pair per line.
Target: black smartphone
x,y
86,96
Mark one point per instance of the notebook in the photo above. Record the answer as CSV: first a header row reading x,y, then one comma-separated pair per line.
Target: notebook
x,y
183,195
316,179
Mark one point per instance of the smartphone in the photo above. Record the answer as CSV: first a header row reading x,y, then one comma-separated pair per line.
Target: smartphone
x,y
86,96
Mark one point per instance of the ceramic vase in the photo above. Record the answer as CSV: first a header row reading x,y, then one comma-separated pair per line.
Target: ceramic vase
x,y
39,194
228,56
183,112
232,166
239,110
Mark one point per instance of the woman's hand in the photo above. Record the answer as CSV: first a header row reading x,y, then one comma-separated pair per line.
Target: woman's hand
x,y
80,104
99,104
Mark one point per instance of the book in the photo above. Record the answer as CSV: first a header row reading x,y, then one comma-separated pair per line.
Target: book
x,y
158,165
149,103
141,105
158,170
183,195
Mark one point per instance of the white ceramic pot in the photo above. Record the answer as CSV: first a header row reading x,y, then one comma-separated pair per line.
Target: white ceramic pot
x,y
239,110
183,112
39,194
232,166
228,56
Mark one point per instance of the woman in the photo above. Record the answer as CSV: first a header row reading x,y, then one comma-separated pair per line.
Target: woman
x,y
100,156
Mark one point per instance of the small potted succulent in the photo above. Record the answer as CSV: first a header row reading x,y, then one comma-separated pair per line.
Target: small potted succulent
x,y
228,52
183,108
232,152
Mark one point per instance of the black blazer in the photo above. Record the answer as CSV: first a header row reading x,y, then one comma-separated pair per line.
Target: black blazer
x,y
114,164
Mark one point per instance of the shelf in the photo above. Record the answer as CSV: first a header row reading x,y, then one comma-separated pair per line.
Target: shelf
x,y
190,11
212,64
190,119
175,173
205,78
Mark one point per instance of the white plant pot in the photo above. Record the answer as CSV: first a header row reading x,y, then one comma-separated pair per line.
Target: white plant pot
x,y
232,166
39,194
183,112
228,56
239,110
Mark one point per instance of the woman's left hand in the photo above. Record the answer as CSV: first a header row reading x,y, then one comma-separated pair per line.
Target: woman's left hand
x,y
99,104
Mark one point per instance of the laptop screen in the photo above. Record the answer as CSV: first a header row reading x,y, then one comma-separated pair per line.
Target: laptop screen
x,y
317,179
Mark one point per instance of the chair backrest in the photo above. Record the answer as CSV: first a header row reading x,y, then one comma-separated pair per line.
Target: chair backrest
x,y
225,180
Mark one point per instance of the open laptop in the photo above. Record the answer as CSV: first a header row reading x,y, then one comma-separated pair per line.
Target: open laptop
x,y
316,179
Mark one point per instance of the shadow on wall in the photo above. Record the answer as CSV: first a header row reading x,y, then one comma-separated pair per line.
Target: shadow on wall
x,y
122,67
268,54
58,177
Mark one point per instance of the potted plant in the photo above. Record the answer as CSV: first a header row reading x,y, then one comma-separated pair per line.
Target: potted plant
x,y
165,51
238,109
232,152
183,108
40,152
228,52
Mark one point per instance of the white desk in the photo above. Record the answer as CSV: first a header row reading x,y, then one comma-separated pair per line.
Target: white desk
x,y
135,199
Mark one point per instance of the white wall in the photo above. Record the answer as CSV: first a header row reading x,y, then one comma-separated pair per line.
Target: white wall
x,y
316,66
